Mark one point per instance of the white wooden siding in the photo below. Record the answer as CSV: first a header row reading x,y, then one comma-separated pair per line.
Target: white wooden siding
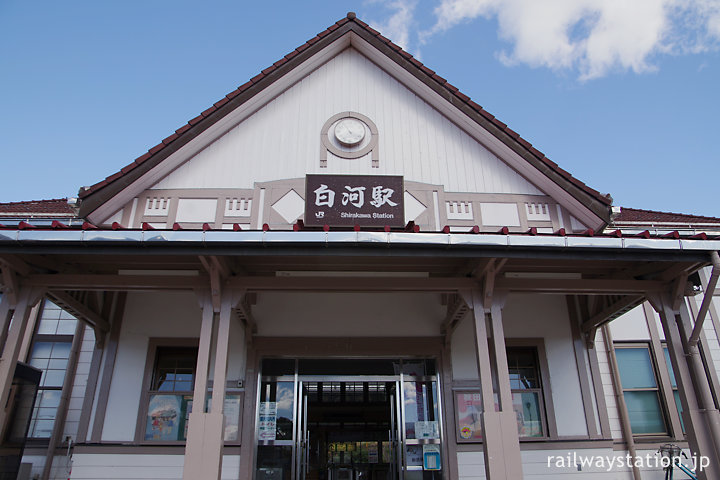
x,y
141,467
606,379
77,395
282,139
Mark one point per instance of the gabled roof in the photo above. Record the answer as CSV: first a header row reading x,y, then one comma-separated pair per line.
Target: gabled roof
x,y
37,208
94,196
652,218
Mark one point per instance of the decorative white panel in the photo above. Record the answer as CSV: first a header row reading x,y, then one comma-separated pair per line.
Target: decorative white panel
x,y
459,210
196,210
291,206
537,211
282,139
576,225
238,207
413,207
500,214
115,218
157,206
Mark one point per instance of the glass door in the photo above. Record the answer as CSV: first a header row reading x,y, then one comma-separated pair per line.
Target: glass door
x,y
421,432
348,429
276,431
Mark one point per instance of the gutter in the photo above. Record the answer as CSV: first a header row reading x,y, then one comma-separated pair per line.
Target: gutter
x,y
97,237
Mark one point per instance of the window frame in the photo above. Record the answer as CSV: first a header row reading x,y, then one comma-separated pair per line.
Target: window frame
x,y
154,345
52,338
231,390
662,395
547,408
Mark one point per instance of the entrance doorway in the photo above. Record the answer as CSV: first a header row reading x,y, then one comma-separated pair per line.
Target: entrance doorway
x,y
340,419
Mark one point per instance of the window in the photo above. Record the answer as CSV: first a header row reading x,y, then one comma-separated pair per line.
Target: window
x,y
50,353
528,396
673,382
527,391
171,394
640,390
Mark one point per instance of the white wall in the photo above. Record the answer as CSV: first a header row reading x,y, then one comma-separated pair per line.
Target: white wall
x,y
282,139
349,314
546,316
464,350
630,326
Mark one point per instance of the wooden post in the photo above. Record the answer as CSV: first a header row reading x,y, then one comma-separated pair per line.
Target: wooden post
x,y
698,432
26,299
206,430
501,443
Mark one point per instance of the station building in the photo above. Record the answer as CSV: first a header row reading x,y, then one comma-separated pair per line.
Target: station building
x,y
348,269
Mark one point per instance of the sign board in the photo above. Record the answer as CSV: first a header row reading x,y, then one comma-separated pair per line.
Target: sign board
x,y
267,421
431,457
348,200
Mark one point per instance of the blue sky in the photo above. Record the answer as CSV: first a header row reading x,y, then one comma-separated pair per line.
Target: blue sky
x,y
624,95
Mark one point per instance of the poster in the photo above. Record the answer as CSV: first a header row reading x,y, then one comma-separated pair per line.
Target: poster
x,y
469,408
426,430
372,452
267,421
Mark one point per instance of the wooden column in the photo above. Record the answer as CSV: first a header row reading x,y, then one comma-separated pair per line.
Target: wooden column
x,y
206,430
698,431
26,299
501,443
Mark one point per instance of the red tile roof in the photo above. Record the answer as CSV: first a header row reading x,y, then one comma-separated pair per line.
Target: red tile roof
x,y
55,206
279,68
650,217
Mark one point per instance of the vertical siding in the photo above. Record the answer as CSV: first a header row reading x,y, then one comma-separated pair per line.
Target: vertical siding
x,y
141,467
77,395
606,378
281,140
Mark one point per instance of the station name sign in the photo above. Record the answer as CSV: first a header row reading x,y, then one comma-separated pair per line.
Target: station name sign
x,y
347,200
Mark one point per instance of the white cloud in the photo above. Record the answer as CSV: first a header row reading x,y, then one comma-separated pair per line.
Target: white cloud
x,y
397,26
591,37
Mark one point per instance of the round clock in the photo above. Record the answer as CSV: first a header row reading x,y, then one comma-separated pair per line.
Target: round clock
x,y
349,131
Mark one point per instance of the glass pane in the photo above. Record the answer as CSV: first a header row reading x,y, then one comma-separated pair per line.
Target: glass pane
x,y
42,428
48,326
274,462
421,410
48,398
469,409
42,350
167,417
66,327
275,367
53,378
61,350
527,410
635,368
645,412
678,404
670,367
276,411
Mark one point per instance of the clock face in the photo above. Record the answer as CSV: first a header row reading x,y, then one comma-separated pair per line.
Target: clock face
x,y
349,131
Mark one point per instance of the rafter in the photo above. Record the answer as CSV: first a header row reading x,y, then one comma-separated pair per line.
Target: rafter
x,y
79,309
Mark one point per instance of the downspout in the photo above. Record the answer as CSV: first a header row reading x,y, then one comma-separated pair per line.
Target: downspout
x,y
709,292
620,400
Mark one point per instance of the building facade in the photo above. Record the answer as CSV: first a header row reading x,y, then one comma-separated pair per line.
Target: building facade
x,y
347,269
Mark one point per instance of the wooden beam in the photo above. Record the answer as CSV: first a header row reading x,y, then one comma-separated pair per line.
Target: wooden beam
x,y
80,310
580,286
10,283
610,312
457,309
363,284
16,264
117,282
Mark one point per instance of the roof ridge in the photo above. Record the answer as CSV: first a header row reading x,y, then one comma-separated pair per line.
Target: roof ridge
x,y
352,18
25,202
668,213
